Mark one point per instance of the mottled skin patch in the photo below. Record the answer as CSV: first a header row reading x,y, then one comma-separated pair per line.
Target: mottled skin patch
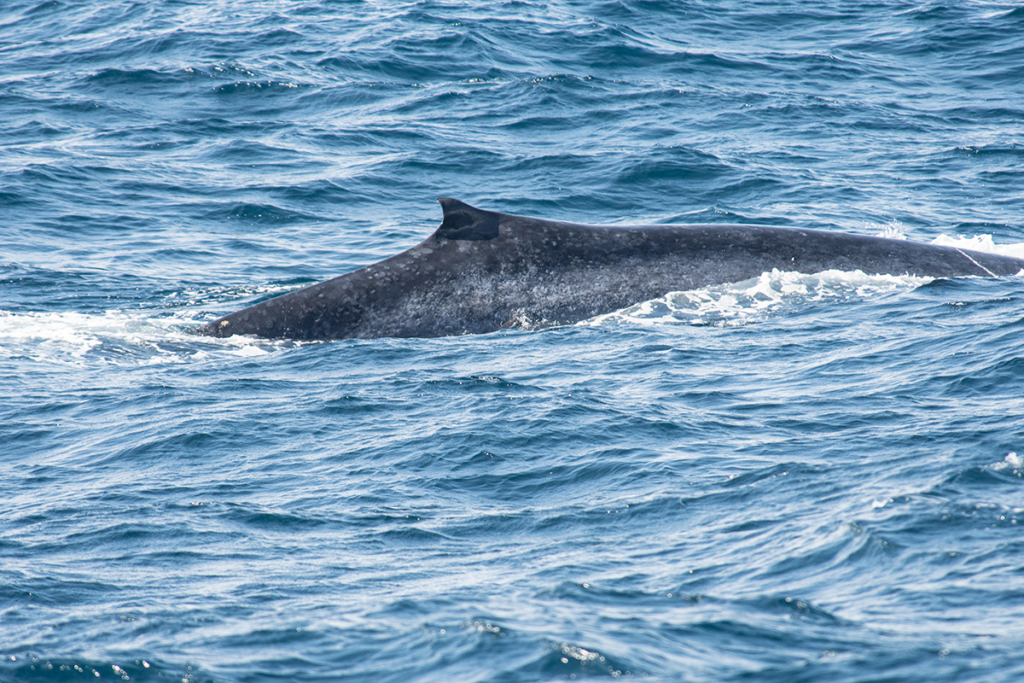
x,y
483,271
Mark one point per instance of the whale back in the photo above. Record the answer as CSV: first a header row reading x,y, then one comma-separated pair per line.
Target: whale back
x,y
481,271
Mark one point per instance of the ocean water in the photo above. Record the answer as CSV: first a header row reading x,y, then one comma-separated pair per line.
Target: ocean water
x,y
794,478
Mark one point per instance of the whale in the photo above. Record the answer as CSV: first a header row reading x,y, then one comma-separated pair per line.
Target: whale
x,y
481,271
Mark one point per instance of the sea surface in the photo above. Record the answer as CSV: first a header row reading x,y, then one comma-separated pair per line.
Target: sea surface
x,y
794,478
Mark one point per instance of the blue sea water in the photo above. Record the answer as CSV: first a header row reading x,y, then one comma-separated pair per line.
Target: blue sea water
x,y
795,478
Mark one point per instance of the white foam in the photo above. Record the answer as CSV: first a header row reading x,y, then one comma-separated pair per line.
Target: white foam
x,y
1012,462
982,243
743,302
892,230
113,338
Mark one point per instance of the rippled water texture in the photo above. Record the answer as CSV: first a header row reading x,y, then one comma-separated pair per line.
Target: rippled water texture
x,y
793,478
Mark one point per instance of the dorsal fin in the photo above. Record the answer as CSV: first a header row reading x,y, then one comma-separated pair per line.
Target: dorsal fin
x,y
465,222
